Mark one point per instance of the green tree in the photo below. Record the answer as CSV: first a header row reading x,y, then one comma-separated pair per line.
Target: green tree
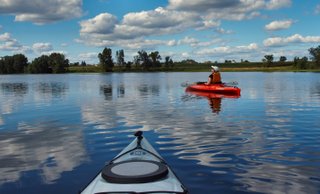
x,y
300,63
269,60
83,63
120,57
128,65
106,61
155,59
315,55
282,59
2,68
58,63
168,62
40,65
13,64
20,63
8,62
143,59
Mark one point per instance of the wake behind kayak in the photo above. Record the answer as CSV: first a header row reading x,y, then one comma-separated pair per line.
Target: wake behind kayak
x,y
138,168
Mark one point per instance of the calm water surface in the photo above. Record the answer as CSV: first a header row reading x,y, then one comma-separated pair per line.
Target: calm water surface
x,y
57,131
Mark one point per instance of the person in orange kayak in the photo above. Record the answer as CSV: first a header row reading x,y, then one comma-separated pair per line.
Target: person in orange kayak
x,y
214,77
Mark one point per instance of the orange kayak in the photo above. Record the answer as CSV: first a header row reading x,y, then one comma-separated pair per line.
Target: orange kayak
x,y
215,88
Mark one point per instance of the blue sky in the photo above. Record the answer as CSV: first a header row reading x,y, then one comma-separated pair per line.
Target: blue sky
x,y
202,30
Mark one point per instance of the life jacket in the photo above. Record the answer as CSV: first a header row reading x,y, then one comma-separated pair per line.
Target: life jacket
x,y
215,78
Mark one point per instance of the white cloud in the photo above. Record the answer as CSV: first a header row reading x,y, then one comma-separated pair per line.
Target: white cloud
x,y
101,24
279,25
41,12
157,22
7,43
141,30
188,40
172,43
136,44
5,37
88,57
42,47
179,16
185,55
296,38
207,24
276,4
223,31
217,51
105,30
228,9
146,44
201,5
11,45
197,43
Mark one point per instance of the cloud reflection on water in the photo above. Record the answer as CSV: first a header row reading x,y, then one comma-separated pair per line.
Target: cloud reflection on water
x,y
254,150
44,147
47,148
254,144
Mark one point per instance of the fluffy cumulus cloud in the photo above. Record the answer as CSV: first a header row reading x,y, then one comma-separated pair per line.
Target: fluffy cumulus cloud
x,y
42,47
41,12
141,30
202,5
161,20
101,24
296,38
178,16
276,4
5,37
7,43
228,9
279,25
139,24
105,29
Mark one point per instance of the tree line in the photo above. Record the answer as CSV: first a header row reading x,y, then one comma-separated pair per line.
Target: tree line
x,y
57,62
298,63
18,63
142,60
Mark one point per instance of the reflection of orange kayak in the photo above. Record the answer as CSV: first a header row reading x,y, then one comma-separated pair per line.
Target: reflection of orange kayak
x,y
215,89
211,95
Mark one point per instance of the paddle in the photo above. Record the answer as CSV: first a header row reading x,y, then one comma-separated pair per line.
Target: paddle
x,y
186,83
232,83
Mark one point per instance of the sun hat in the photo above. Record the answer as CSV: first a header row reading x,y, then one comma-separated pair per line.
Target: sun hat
x,y
215,68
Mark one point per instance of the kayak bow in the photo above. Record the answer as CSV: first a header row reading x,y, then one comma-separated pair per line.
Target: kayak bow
x,y
138,168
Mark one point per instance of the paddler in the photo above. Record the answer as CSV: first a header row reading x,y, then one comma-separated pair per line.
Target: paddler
x,y
214,77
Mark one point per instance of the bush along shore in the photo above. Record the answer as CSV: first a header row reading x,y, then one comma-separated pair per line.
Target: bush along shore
x,y
151,62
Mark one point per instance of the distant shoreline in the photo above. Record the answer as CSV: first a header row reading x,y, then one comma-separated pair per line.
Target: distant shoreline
x,y
254,67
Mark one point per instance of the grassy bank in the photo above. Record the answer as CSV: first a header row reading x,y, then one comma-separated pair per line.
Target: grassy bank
x,y
202,67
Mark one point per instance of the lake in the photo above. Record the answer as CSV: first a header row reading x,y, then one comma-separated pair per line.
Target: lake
x,y
57,131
